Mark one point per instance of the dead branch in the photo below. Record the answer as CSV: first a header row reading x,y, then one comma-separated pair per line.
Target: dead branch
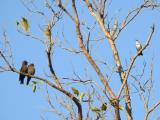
x,y
133,60
80,41
71,96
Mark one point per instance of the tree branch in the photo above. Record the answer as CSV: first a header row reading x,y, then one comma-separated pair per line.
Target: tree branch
x,y
133,60
89,58
151,109
71,96
115,56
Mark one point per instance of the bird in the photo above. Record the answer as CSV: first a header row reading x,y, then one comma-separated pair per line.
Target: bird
x,y
138,47
24,69
31,71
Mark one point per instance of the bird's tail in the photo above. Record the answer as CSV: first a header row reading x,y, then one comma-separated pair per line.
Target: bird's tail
x,y
28,80
21,78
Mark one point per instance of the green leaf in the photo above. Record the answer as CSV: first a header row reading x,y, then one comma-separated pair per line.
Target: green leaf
x,y
120,107
37,82
81,96
34,88
75,91
104,107
95,109
24,24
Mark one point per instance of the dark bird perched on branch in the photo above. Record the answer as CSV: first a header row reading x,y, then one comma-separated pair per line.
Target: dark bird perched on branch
x,y
138,47
24,69
31,71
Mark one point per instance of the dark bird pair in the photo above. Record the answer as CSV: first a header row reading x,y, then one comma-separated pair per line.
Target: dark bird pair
x,y
26,69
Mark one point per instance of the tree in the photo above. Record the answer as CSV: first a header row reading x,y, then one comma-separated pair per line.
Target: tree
x,y
92,24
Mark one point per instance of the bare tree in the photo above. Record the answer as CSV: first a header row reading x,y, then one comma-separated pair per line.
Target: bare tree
x,y
93,25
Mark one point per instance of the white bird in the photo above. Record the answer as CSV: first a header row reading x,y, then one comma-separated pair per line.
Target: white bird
x,y
138,47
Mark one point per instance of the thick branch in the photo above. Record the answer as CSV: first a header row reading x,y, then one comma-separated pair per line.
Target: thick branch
x,y
52,70
80,41
49,49
116,57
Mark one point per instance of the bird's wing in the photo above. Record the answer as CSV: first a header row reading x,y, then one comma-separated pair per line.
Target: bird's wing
x,y
24,69
34,71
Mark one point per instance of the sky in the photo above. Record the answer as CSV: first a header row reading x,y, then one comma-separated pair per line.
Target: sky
x,y
19,102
